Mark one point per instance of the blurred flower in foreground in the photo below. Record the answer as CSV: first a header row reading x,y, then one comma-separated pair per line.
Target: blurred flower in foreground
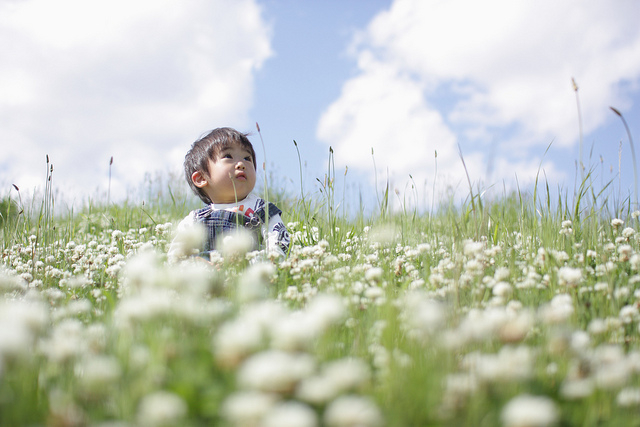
x,y
98,372
350,411
530,411
246,408
337,377
253,285
188,241
161,408
275,371
422,316
290,414
235,245
629,396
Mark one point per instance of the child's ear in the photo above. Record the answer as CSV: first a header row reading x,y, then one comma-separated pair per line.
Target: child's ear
x,y
199,179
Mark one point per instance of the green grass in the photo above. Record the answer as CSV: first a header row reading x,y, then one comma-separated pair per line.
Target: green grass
x,y
453,312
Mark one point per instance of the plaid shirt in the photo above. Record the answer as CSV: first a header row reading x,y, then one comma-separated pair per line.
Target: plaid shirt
x,y
222,221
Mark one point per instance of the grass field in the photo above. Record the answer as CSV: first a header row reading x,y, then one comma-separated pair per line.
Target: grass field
x,y
519,311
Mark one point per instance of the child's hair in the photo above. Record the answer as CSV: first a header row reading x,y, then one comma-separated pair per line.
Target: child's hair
x,y
209,147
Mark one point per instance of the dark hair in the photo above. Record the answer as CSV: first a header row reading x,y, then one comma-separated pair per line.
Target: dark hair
x,y
209,147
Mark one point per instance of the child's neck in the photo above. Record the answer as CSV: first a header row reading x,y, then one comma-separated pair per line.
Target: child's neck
x,y
231,202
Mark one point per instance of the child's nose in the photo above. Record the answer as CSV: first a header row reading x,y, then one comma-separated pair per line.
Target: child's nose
x,y
240,165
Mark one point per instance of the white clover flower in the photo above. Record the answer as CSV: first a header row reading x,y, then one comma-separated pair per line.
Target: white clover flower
x,y
147,304
66,341
290,414
423,247
142,270
347,374
558,310
461,384
326,310
53,294
580,341
161,408
30,313
628,314
26,278
611,376
472,249
625,252
163,229
517,326
246,408
502,289
628,396
422,316
628,232
78,307
263,313
608,353
530,411
274,371
235,340
616,222
15,340
188,241
253,283
567,223
296,331
601,287
316,390
191,276
375,293
569,276
501,274
477,326
236,244
374,274
351,411
97,372
577,388
621,292
509,364
597,326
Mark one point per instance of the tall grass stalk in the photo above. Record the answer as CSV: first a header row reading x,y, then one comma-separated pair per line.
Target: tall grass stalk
x,y
383,205
46,227
264,172
433,186
633,156
109,188
575,89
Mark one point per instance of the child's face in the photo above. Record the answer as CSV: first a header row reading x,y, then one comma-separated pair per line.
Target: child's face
x,y
231,176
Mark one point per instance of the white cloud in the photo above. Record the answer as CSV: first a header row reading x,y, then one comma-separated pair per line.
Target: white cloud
x,y
139,81
435,74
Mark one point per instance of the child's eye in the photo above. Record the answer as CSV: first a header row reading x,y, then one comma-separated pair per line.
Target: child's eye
x,y
249,159
226,156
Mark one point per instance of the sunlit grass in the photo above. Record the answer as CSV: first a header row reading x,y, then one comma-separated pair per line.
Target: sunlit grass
x,y
470,314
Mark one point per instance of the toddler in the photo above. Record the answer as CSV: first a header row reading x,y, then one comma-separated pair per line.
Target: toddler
x,y
221,169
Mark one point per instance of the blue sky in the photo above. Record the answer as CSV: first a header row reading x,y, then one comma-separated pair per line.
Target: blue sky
x,y
141,80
